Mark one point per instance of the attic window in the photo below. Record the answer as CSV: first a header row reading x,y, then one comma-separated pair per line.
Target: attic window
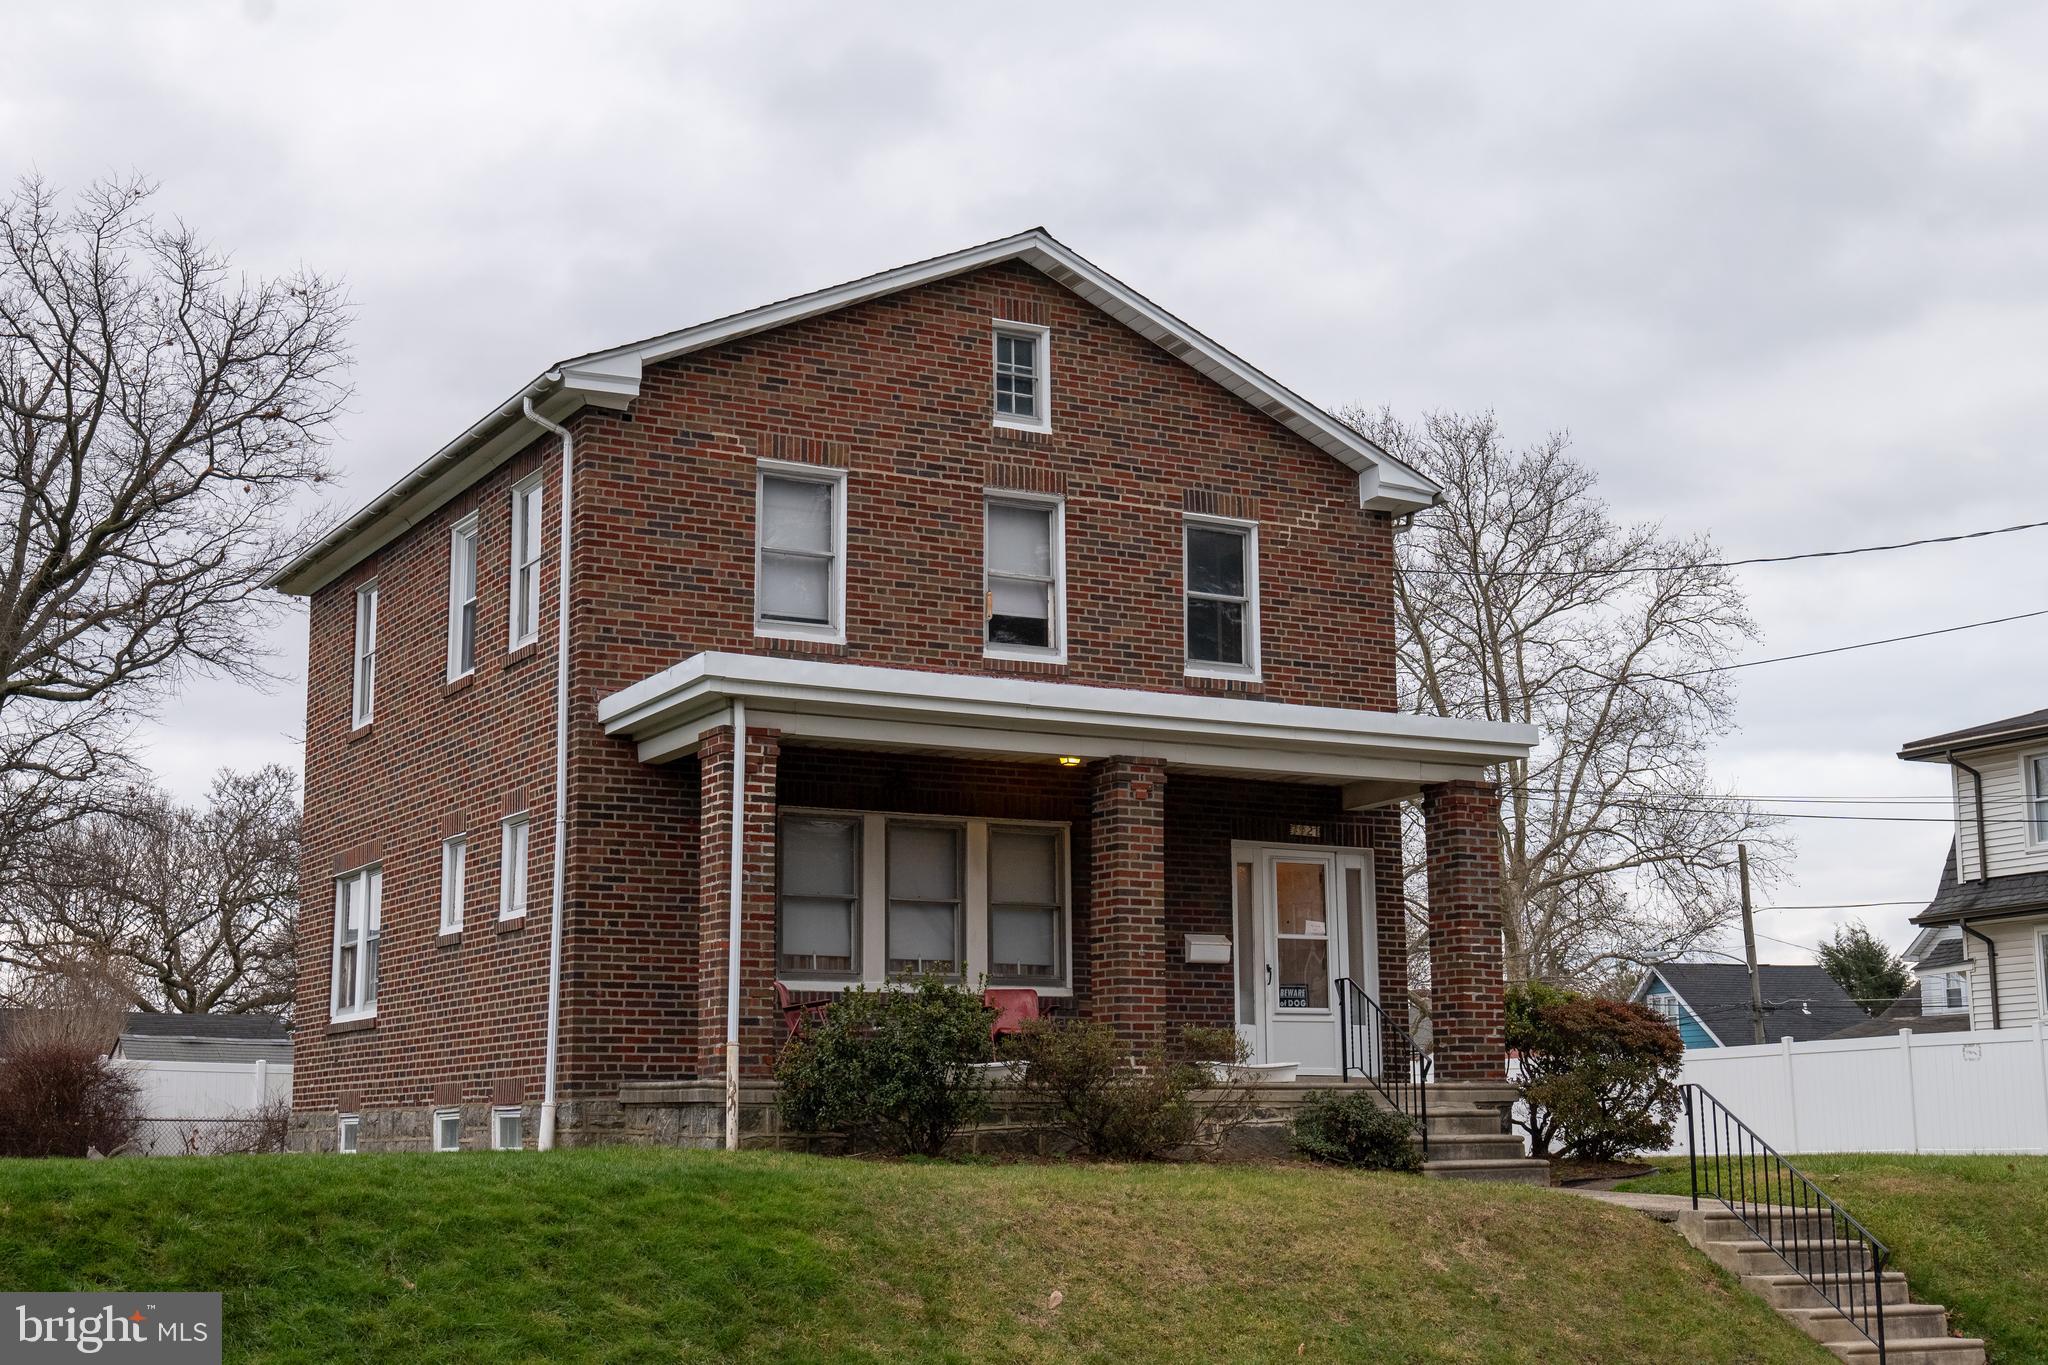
x,y
1023,389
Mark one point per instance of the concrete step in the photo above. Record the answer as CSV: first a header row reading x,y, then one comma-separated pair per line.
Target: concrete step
x,y
1466,1122
1493,1147
1716,1224
1902,1322
1934,1351
1751,1257
1505,1171
1784,1291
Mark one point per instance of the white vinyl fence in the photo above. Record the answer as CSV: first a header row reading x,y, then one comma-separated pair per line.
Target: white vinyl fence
x,y
205,1090
1985,1091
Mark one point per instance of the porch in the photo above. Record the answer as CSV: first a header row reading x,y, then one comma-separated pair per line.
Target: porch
x,y
1153,860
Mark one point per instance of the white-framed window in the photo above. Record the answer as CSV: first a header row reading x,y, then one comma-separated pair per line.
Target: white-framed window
x,y
818,930
1026,906
1024,587
1952,992
1221,576
927,877
1666,1005
447,1130
347,1127
2036,774
454,881
527,535
365,670
462,598
873,897
507,1129
800,551
512,862
1023,376
358,911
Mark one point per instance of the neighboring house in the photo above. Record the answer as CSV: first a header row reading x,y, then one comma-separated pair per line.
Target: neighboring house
x,y
1709,1002
1942,989
978,617
1992,901
205,1066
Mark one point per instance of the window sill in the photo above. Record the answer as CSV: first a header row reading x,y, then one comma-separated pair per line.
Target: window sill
x,y
361,1025
362,732
510,923
519,654
448,938
821,635
461,684
1021,654
1043,428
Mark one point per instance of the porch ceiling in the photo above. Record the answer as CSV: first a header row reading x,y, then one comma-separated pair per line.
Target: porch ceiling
x,y
1376,756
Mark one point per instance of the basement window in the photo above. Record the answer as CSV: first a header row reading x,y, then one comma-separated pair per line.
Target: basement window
x,y
506,1129
346,1129
447,1130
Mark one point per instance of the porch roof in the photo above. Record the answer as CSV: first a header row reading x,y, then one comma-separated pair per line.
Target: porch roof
x,y
1378,756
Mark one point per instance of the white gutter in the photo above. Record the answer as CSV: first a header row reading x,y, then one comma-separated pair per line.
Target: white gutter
x,y
547,1101
737,860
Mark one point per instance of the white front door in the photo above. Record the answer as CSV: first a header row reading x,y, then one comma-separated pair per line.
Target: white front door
x,y
1303,924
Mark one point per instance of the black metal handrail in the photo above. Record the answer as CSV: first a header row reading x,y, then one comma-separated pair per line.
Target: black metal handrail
x,y
1384,1053
1782,1208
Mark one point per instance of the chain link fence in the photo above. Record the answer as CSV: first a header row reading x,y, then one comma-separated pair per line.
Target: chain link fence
x,y
248,1134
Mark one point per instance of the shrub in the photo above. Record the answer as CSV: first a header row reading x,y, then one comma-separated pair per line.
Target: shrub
x,y
1352,1130
63,1098
890,1068
1599,1077
1106,1103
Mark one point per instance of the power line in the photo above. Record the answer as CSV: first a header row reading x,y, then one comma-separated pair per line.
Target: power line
x,y
1673,806
1866,644
1743,563
1841,905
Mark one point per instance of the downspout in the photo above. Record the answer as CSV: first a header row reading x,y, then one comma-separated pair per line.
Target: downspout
x,y
737,867
546,1140
1983,875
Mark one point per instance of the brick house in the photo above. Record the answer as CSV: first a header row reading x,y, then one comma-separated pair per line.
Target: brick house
x,y
1005,624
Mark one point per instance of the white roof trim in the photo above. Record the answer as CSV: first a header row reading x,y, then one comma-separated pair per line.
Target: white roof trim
x,y
1643,991
611,378
665,712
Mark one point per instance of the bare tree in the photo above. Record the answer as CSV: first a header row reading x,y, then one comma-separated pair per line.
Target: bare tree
x,y
1519,598
180,909
159,418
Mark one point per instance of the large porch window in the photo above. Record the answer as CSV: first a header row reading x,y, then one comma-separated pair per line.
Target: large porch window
x,y
867,897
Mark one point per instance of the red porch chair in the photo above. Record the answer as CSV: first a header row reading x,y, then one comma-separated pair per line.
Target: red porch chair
x,y
796,1013
1013,1007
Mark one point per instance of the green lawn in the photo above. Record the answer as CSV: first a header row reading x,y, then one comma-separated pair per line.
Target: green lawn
x,y
639,1255
1971,1232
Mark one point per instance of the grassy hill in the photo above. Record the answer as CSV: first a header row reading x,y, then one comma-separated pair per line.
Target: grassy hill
x,y
625,1255
1971,1233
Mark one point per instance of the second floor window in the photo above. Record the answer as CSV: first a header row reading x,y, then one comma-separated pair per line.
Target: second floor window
x,y
800,557
462,598
365,687
526,538
358,908
454,879
512,868
1222,598
2037,798
1023,591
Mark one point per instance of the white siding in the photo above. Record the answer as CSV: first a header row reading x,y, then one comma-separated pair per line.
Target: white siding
x,y
2006,827
2019,972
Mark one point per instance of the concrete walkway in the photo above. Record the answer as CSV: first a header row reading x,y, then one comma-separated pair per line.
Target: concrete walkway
x,y
1665,1208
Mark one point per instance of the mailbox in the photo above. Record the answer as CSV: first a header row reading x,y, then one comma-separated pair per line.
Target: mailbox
x,y
1208,948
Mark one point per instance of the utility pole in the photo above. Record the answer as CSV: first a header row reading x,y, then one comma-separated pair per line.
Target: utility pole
x,y
1756,983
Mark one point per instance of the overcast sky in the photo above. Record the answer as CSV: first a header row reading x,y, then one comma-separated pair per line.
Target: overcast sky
x,y
1780,270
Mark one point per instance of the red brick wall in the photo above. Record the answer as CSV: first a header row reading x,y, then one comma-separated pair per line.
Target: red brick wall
x,y
1461,821
898,392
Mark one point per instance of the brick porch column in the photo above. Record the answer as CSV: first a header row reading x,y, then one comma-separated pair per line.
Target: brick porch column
x,y
1467,980
1127,898
1390,927
759,1017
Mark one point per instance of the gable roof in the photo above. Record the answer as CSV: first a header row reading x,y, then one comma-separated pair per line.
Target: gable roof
x,y
1802,1003
2012,730
611,378
204,1038
245,1026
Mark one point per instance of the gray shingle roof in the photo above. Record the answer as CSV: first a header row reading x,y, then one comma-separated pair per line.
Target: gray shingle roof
x,y
1904,1012
241,1026
2012,728
1947,953
2019,892
1801,1003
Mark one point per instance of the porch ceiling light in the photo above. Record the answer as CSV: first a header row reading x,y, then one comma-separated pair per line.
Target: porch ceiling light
x,y
1069,761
